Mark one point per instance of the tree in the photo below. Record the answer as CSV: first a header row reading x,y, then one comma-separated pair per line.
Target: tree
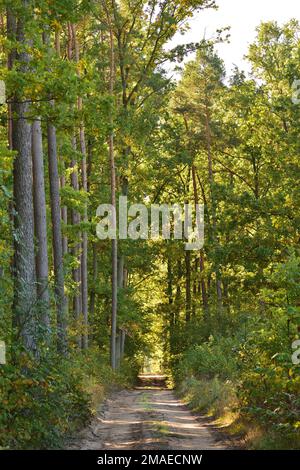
x,y
24,308
40,224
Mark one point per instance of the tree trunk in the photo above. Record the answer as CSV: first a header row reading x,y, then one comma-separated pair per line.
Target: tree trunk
x,y
113,202
203,287
213,207
40,223
11,35
118,349
64,210
121,272
201,258
24,308
64,217
93,287
172,307
55,205
123,338
57,241
84,254
77,245
188,297
178,293
194,297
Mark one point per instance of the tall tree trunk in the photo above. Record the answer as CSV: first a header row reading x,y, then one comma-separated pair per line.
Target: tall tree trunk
x,y
84,254
126,149
213,206
77,245
57,241
201,258
203,286
93,287
113,202
120,282
194,297
114,260
178,292
64,217
11,35
171,302
40,223
24,308
188,297
121,272
123,338
55,205
187,258
177,308
64,210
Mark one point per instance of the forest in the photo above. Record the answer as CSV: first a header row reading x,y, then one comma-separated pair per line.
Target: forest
x,y
95,104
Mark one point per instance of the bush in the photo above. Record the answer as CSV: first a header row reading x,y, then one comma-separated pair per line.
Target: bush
x,y
213,396
40,405
252,371
43,403
269,387
216,358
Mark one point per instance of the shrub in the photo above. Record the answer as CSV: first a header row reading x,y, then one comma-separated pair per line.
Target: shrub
x,y
216,358
213,396
42,403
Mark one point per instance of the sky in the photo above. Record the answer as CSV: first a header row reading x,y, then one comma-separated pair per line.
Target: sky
x,y
243,16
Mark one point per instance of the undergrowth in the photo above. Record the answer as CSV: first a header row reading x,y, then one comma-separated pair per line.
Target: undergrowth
x,y
247,381
61,394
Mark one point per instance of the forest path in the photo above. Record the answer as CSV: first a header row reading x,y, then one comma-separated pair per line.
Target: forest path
x,y
149,417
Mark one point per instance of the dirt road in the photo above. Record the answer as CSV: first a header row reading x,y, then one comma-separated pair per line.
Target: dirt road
x,y
149,417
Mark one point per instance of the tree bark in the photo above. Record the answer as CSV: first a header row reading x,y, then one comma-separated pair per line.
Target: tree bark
x,y
123,338
201,258
213,206
172,307
57,246
188,297
40,223
64,217
61,312
24,308
84,254
93,287
77,245
203,286
11,35
113,202
64,210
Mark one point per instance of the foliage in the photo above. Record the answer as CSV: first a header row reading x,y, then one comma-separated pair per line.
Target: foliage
x,y
61,395
214,397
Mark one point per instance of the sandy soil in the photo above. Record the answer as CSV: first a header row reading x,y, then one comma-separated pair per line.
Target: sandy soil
x,y
149,417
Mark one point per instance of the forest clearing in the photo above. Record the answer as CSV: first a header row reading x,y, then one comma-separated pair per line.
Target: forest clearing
x,y
149,221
